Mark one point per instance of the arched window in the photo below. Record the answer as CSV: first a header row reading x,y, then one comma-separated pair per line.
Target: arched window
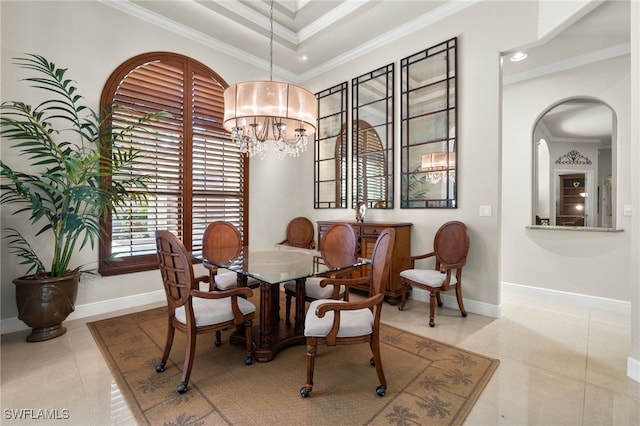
x,y
199,174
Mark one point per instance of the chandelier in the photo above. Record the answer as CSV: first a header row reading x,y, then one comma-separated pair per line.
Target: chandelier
x,y
259,112
437,167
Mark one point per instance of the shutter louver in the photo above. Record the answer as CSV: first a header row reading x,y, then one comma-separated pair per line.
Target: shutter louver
x,y
198,172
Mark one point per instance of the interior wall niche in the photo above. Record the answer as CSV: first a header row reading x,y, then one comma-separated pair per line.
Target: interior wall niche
x,y
574,182
429,166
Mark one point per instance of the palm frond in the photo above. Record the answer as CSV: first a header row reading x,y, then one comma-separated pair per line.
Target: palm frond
x,y
61,187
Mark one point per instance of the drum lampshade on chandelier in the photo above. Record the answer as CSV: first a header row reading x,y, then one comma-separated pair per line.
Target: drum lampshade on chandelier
x,y
258,112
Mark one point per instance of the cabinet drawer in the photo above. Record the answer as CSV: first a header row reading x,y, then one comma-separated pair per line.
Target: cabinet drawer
x,y
370,231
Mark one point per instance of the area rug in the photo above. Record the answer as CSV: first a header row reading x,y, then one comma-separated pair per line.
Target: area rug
x,y
429,382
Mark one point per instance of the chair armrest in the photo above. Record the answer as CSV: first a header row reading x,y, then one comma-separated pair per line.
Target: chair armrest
x,y
348,282
444,267
422,256
413,259
202,279
239,291
369,302
238,317
323,308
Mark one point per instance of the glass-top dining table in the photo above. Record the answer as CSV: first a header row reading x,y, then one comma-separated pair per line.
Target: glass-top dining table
x,y
272,267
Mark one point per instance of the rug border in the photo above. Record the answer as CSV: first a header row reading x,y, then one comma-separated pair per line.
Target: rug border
x,y
126,392
140,418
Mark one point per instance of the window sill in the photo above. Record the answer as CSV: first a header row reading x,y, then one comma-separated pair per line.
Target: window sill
x,y
574,228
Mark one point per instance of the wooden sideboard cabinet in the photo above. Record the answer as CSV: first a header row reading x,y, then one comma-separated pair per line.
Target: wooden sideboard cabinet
x,y
367,234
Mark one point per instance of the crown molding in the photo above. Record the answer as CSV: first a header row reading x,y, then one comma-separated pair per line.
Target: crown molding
x,y
578,61
139,12
429,18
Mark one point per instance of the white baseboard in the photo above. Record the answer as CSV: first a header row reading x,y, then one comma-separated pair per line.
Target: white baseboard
x,y
11,325
594,302
633,369
450,301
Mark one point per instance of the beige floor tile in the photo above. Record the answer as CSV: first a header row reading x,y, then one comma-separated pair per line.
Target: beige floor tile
x,y
569,329
560,364
522,394
608,370
527,346
605,407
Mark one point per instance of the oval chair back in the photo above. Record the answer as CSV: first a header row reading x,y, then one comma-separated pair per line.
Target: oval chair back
x,y
451,244
339,245
221,240
300,233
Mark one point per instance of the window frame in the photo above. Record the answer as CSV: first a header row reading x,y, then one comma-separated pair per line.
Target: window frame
x,y
145,262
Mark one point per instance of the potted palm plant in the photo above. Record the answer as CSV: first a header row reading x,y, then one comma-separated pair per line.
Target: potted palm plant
x,y
66,150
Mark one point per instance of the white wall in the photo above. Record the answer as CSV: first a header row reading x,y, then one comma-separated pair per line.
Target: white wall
x,y
478,128
85,37
592,263
633,363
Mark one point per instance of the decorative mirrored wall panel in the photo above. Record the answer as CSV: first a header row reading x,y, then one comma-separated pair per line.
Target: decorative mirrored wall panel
x,y
330,157
428,113
574,183
372,138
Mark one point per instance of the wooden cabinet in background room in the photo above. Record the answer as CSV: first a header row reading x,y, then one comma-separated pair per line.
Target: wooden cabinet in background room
x,y
571,210
367,234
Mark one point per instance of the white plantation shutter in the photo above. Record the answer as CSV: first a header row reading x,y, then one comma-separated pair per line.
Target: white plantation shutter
x,y
199,174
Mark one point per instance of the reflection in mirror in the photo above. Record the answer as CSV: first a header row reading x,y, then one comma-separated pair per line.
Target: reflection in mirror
x,y
573,165
372,138
428,112
330,156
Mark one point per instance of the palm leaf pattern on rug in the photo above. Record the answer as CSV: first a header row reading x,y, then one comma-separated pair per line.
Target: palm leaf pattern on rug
x,y
429,382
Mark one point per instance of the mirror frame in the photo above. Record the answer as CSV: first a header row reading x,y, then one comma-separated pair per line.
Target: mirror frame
x,y
429,166
372,143
570,162
330,165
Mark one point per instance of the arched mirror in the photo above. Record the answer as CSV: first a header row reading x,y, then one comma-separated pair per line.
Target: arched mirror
x,y
574,180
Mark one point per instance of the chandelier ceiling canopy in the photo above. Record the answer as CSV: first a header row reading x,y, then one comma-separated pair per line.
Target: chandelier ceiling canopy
x,y
258,112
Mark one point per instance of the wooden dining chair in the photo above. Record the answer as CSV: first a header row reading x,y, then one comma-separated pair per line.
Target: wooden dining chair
x,y
337,322
338,249
194,312
450,249
223,240
300,233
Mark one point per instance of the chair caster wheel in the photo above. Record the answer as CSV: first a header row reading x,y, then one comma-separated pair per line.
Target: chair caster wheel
x,y
248,360
381,390
182,387
304,392
160,367
372,362
401,307
432,323
464,314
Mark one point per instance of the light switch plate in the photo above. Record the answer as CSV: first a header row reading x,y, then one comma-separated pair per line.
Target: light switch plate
x,y
485,210
626,210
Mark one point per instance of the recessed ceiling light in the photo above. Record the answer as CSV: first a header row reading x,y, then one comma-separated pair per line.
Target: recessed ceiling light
x,y
304,58
518,56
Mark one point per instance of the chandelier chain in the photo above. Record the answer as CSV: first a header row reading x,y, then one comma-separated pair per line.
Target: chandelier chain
x,y
271,43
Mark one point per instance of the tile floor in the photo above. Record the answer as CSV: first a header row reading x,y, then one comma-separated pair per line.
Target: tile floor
x,y
560,364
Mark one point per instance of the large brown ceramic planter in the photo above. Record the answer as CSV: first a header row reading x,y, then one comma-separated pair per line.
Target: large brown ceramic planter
x,y
43,304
